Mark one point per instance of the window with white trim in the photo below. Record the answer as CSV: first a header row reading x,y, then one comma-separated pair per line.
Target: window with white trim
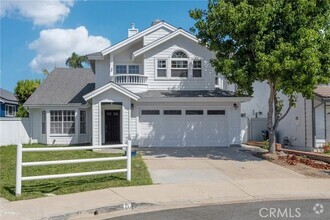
x,y
121,69
161,68
197,68
10,110
62,122
130,69
133,69
43,122
179,64
82,122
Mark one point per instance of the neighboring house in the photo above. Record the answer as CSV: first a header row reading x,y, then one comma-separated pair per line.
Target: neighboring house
x,y
8,104
156,87
307,125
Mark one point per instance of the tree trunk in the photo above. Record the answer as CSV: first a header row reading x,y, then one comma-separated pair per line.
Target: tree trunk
x,y
270,118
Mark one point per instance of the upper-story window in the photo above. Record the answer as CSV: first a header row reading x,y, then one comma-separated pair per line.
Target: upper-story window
x,y
121,69
133,69
130,69
197,68
161,68
179,64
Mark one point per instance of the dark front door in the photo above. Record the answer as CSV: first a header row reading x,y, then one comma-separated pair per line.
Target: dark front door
x,y
112,126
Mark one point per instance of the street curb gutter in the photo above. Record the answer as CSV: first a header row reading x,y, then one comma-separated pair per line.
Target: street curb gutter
x,y
100,210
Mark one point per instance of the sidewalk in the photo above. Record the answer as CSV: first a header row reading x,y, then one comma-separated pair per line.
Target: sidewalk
x,y
155,197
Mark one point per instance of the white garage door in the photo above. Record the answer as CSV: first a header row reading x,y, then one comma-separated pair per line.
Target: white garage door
x,y
183,128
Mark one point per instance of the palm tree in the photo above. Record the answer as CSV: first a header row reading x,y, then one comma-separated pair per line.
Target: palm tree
x,y
76,61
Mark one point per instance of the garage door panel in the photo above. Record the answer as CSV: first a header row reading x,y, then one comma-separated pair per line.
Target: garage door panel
x,y
183,130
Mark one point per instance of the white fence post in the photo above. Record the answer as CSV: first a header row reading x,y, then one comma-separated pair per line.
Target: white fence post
x,y
129,158
18,190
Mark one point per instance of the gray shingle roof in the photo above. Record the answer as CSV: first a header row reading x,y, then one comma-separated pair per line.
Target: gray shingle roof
x,y
187,93
7,96
64,86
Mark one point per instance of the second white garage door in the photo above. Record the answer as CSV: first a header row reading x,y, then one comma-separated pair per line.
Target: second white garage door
x,y
183,128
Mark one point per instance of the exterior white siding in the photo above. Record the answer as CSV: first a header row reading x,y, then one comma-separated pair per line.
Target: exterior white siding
x,y
194,51
155,35
35,123
102,72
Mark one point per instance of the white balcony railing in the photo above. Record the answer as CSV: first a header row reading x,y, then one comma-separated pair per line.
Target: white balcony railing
x,y
129,79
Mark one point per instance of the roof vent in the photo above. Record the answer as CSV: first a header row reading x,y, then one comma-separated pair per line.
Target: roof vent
x,y
156,22
132,31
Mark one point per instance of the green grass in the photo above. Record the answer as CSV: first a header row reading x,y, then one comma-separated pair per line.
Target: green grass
x,y
38,188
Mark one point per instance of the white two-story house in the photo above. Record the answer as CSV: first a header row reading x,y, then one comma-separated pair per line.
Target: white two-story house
x,y
156,87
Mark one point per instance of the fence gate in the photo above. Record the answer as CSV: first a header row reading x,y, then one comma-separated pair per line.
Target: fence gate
x,y
256,125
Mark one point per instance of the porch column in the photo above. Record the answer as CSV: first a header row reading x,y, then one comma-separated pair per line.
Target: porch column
x,y
95,124
100,123
129,123
77,125
47,127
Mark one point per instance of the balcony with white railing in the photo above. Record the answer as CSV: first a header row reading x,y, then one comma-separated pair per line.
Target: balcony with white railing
x,y
133,82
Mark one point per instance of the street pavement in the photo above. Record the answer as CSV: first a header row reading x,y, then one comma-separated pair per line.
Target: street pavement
x,y
290,209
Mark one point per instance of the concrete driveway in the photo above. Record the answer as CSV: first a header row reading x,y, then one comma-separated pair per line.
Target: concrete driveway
x,y
193,165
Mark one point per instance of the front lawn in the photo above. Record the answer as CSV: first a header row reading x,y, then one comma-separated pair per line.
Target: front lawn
x,y
39,188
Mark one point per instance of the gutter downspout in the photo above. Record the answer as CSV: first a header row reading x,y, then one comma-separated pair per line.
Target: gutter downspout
x,y
313,123
325,121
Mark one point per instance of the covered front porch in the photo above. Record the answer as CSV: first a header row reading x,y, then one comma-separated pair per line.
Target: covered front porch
x,y
111,114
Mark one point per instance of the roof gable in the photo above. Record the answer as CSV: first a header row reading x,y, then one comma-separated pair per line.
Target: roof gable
x,y
108,86
131,39
179,32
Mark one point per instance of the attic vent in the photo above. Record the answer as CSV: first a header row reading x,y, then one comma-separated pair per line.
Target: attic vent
x,y
132,31
156,22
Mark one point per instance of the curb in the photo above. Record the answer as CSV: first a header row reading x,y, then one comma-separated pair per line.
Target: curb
x,y
100,210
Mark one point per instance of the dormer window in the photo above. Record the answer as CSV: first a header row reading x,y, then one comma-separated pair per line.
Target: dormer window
x,y
179,64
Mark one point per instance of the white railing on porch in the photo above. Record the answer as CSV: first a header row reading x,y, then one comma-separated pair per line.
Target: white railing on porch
x,y
129,79
20,164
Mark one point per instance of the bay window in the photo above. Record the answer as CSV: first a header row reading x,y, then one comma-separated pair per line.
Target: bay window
x,y
62,122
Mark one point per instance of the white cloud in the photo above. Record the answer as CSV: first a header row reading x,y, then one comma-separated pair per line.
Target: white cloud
x,y
54,46
41,12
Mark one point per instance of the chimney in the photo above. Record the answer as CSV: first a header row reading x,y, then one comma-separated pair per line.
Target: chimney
x,y
132,31
156,21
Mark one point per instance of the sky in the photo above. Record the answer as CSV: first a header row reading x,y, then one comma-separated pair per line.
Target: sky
x,y
42,34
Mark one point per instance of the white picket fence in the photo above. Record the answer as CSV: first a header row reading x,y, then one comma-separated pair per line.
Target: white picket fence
x,y
14,131
20,164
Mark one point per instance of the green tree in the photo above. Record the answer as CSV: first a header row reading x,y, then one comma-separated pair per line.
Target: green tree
x,y
282,42
23,91
76,61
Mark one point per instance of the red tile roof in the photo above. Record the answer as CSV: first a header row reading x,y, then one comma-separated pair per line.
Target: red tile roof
x,y
323,91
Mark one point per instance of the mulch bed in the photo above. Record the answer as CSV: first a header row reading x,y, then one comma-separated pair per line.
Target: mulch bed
x,y
294,160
